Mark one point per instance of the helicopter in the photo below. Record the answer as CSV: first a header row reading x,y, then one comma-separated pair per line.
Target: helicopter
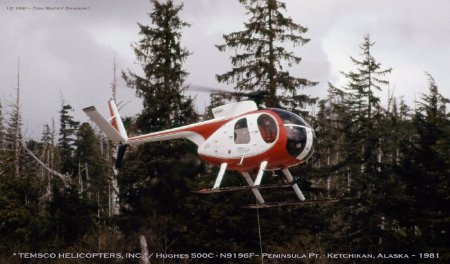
x,y
239,138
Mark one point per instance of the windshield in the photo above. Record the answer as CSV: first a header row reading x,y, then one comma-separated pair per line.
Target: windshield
x,y
300,135
290,118
296,140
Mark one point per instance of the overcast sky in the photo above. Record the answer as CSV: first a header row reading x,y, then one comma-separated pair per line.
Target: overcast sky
x,y
70,53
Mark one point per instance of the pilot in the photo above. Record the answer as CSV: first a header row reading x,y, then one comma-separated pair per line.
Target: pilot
x,y
267,128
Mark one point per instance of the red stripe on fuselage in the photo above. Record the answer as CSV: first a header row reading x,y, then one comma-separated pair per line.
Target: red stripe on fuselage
x,y
205,130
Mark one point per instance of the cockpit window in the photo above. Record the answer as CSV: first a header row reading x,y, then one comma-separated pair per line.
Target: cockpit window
x,y
296,130
290,118
241,133
267,128
296,140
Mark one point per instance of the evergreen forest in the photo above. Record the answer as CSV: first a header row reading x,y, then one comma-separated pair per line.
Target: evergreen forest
x,y
386,163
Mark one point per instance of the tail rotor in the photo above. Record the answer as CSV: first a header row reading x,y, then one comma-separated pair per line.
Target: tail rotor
x,y
120,154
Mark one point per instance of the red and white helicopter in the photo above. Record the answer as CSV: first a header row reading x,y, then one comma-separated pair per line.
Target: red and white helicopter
x,y
239,138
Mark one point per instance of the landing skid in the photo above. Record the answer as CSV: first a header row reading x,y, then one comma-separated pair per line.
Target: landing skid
x,y
241,188
291,203
254,186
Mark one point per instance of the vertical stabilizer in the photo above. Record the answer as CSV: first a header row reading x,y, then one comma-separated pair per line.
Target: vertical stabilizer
x,y
104,125
116,121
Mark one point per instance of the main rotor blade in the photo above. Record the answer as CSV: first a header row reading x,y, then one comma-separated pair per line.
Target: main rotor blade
x,y
207,89
256,96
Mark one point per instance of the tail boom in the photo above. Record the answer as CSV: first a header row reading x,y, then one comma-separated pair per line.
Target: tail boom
x,y
196,133
115,130
164,135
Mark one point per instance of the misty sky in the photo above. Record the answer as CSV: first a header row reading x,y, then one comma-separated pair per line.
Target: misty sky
x,y
69,53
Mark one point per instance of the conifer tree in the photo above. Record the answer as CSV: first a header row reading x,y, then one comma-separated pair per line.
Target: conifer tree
x,y
2,133
161,55
21,216
92,167
46,137
48,141
2,128
152,180
363,105
261,63
365,221
67,136
13,136
48,153
425,168
328,125
70,217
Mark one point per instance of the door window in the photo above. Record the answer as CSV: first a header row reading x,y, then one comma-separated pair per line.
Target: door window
x,y
267,128
241,133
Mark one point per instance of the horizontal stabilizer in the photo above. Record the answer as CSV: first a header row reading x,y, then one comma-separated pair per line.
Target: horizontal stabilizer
x,y
103,124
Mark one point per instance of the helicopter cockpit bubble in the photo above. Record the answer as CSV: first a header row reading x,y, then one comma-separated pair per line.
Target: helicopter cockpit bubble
x,y
299,133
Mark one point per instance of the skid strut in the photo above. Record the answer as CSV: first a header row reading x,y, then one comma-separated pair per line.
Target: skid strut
x,y
223,168
257,182
255,191
262,167
255,186
297,190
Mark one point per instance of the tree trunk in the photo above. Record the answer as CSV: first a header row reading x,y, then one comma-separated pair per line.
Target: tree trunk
x,y
65,178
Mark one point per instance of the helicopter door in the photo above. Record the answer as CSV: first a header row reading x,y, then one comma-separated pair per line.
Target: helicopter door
x,y
263,133
241,132
242,139
267,128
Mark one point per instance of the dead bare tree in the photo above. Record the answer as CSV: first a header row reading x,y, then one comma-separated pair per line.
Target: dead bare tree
x,y
64,177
